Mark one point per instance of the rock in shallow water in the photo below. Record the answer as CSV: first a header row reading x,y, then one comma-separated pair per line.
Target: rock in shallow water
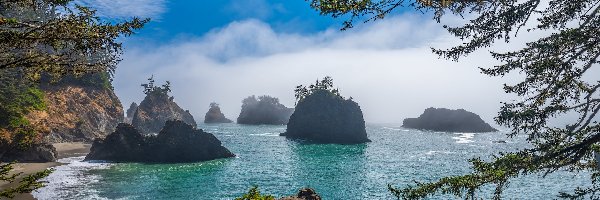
x,y
304,194
446,120
324,117
177,142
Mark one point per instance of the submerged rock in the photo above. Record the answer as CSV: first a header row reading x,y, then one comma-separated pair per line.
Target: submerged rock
x,y
304,194
264,110
325,117
214,115
177,142
446,120
156,109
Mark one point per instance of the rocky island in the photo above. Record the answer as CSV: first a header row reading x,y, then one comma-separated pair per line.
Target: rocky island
x,y
264,110
322,115
177,142
214,115
157,108
447,120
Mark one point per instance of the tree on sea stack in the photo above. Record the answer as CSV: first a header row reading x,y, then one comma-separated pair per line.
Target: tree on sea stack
x,y
322,115
553,85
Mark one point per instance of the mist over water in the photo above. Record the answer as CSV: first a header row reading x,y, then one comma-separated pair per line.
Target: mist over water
x,y
279,166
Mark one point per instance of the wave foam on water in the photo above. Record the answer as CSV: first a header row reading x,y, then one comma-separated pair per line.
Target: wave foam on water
x,y
264,134
464,138
69,181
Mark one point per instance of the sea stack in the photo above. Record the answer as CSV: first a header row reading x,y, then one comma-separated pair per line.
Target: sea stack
x,y
264,110
157,108
447,120
322,115
130,112
177,142
214,115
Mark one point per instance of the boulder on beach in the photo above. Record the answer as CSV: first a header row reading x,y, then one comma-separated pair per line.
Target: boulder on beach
x,y
264,110
323,116
214,115
177,142
446,120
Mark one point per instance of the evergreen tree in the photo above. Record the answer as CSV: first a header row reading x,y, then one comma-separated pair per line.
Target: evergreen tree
x,y
554,85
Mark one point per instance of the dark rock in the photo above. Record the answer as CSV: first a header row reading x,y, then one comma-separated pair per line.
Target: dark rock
x,y
324,117
500,141
446,120
42,152
214,115
177,142
265,110
304,194
156,109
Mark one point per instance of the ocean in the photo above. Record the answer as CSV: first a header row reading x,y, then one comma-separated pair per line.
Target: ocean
x,y
281,167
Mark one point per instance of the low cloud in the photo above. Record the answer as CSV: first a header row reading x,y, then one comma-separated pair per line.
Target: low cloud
x,y
386,66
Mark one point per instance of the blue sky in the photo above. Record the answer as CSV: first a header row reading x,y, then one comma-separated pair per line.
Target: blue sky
x,y
225,50
185,18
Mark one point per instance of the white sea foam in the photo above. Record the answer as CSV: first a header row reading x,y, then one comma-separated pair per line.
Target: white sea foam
x,y
464,138
70,181
394,129
264,134
439,152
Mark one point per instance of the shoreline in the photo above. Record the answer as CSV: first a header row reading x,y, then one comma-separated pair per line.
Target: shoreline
x,y
65,150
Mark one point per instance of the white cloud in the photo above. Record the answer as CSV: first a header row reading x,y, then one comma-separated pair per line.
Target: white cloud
x,y
126,8
387,67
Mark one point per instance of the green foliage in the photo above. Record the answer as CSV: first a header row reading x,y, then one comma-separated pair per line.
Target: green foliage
x,y
56,38
326,84
18,97
254,194
557,81
28,184
150,88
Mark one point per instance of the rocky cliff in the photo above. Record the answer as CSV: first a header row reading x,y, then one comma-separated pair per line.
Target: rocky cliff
x,y
325,117
446,120
176,142
77,111
264,110
155,110
214,115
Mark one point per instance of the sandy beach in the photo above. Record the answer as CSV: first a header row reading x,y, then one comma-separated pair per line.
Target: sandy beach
x,y
64,150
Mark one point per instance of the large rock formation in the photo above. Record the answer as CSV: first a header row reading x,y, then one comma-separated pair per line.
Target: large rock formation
x,y
78,110
177,142
156,109
214,115
446,120
325,117
264,110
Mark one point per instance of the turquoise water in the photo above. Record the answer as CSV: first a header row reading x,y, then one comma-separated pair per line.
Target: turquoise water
x,y
280,167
